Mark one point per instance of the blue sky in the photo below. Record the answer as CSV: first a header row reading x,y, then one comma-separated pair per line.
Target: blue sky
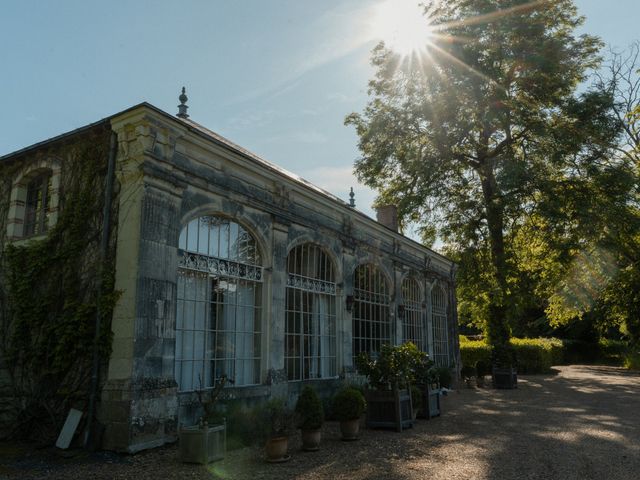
x,y
275,76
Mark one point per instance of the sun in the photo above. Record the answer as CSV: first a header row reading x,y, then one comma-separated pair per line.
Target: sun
x,y
402,25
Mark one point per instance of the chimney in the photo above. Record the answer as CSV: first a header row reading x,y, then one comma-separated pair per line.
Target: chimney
x,y
387,215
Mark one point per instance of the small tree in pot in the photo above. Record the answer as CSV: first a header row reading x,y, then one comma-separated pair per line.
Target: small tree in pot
x,y
275,423
348,406
207,441
428,381
310,416
390,374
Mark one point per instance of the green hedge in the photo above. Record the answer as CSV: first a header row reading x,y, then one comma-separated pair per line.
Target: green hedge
x,y
534,355
473,350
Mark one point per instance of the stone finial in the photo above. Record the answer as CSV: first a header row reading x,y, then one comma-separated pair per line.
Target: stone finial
x,y
182,108
352,198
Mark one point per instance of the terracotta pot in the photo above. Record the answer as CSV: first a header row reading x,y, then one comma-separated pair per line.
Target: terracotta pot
x,y
350,429
311,440
276,448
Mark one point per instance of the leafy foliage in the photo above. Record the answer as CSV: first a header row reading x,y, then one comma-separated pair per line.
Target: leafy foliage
x,y
309,409
487,139
348,404
274,419
52,289
395,366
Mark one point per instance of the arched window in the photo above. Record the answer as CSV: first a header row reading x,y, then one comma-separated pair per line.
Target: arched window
x,y
310,328
33,207
439,326
412,321
371,322
219,317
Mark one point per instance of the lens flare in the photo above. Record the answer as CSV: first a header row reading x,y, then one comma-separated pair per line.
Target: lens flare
x,y
402,26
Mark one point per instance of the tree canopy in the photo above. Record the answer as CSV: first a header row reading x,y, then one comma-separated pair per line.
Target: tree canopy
x,y
487,140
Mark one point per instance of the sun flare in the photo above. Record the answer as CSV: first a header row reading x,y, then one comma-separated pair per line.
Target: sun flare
x,y
402,26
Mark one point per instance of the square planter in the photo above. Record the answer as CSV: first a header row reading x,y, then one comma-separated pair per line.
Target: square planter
x,y
504,378
430,402
204,444
389,409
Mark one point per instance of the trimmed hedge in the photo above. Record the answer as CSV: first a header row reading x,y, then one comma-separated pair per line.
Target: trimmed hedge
x,y
534,355
473,350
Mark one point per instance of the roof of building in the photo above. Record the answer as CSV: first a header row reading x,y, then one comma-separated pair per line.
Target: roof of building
x,y
212,136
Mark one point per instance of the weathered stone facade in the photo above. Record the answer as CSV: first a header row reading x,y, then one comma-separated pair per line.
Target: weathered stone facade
x,y
170,171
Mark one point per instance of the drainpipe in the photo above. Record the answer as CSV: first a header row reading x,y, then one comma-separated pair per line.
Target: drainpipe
x,y
104,247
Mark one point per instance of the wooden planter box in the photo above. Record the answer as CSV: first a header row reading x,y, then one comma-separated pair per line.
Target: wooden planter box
x,y
389,409
504,378
203,444
430,402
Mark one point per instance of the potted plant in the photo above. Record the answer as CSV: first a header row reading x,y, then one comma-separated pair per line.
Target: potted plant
x,y
482,370
390,375
310,415
348,406
275,423
207,441
428,381
468,374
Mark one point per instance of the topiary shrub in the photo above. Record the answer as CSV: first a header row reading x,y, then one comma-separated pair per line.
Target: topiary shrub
x,y
274,419
309,409
348,404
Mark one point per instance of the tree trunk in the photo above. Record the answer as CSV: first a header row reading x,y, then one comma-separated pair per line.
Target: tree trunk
x,y
497,327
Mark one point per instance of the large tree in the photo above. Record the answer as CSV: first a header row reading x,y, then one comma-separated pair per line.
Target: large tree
x,y
484,134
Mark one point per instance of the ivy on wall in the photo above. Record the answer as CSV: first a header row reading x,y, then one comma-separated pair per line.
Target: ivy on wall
x,y
51,298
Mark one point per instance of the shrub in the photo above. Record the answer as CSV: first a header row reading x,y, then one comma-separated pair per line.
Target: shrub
x,y
533,355
241,425
613,351
473,351
580,351
348,404
309,409
632,359
274,419
444,376
396,365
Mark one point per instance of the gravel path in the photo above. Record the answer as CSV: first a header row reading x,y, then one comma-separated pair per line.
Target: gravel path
x,y
582,424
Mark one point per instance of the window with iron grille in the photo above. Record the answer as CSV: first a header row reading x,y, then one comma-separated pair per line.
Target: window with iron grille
x,y
36,205
219,298
371,321
413,320
310,327
439,326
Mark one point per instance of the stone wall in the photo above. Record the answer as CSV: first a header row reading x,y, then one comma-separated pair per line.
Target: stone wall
x,y
172,172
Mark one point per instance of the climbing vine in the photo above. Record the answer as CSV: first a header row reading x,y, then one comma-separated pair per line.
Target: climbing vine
x,y
51,290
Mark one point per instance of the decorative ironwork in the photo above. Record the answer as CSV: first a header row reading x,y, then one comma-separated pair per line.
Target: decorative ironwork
x,y
371,297
311,284
218,266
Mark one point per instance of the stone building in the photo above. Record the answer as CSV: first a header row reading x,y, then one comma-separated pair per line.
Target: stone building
x,y
227,264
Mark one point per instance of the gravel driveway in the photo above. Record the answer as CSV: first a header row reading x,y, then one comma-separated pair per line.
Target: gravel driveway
x,y
583,423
